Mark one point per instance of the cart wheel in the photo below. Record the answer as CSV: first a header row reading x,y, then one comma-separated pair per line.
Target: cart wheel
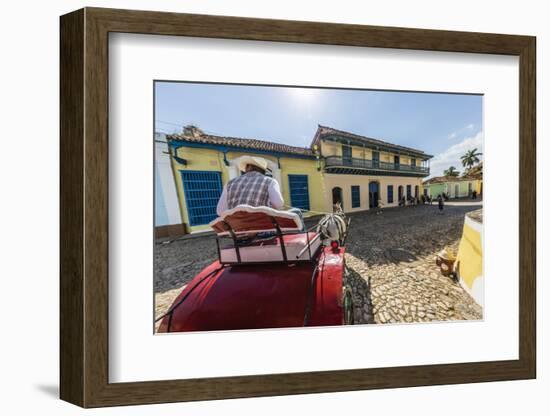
x,y
348,307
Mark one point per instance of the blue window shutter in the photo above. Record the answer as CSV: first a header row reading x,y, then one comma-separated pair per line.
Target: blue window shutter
x,y
202,190
299,191
355,196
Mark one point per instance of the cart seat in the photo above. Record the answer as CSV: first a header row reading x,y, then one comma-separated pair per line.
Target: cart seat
x,y
246,219
269,250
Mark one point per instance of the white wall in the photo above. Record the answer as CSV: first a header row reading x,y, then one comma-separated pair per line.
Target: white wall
x,y
29,216
167,210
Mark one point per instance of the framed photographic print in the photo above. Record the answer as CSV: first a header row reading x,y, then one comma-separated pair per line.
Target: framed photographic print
x,y
255,207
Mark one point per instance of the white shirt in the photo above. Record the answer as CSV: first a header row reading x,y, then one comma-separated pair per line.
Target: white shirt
x,y
275,198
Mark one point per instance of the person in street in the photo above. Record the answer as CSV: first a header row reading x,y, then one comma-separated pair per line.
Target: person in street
x,y
380,206
252,188
440,203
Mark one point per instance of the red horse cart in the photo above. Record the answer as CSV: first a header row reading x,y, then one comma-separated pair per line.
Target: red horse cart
x,y
271,272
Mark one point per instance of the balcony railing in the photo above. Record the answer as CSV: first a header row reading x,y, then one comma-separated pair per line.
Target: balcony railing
x,y
353,163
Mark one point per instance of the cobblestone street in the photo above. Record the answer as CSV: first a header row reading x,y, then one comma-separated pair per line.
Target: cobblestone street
x,y
390,260
392,270
176,263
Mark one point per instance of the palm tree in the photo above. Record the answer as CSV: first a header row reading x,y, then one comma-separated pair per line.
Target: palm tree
x,y
451,172
470,158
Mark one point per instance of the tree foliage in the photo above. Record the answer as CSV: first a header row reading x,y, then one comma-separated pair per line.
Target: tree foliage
x,y
451,172
470,158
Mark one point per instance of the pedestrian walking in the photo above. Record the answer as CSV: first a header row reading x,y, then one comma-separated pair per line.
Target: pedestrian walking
x,y
440,204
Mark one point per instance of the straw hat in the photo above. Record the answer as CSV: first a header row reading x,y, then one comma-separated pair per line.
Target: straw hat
x,y
252,160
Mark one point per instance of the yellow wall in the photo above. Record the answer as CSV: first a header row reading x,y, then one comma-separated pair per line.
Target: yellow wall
x,y
360,153
197,159
330,148
469,263
478,186
294,166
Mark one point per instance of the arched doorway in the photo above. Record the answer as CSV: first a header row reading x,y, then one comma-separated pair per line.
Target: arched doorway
x,y
337,197
374,194
399,193
416,189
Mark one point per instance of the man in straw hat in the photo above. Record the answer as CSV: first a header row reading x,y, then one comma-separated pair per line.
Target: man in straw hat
x,y
251,188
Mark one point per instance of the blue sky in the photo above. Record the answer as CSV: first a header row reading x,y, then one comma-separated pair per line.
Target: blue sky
x,y
444,125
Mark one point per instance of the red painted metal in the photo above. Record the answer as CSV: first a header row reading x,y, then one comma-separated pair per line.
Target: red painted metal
x,y
261,296
327,308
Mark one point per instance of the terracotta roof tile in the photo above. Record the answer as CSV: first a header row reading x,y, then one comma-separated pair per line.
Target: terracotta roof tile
x,y
324,130
243,143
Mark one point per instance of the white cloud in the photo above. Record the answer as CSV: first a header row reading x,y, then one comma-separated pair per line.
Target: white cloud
x,y
451,156
458,132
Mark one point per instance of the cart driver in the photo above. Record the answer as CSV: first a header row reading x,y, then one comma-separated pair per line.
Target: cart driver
x,y
253,187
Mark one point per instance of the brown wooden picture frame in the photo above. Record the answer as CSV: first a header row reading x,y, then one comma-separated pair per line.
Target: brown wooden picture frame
x,y
84,207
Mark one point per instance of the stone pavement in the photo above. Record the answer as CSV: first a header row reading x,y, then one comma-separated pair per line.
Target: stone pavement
x,y
392,271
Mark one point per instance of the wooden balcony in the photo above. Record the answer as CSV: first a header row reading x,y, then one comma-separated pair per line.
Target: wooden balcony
x,y
354,166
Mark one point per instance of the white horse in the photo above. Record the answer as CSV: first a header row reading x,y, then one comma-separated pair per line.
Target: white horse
x,y
333,226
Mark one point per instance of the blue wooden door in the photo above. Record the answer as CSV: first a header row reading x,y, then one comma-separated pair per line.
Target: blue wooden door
x,y
390,194
396,162
299,191
376,160
346,155
373,194
202,190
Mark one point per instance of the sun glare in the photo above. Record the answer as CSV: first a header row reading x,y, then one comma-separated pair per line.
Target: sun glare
x,y
302,95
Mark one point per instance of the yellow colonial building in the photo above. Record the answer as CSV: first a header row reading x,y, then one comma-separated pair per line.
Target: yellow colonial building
x,y
363,173
357,171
